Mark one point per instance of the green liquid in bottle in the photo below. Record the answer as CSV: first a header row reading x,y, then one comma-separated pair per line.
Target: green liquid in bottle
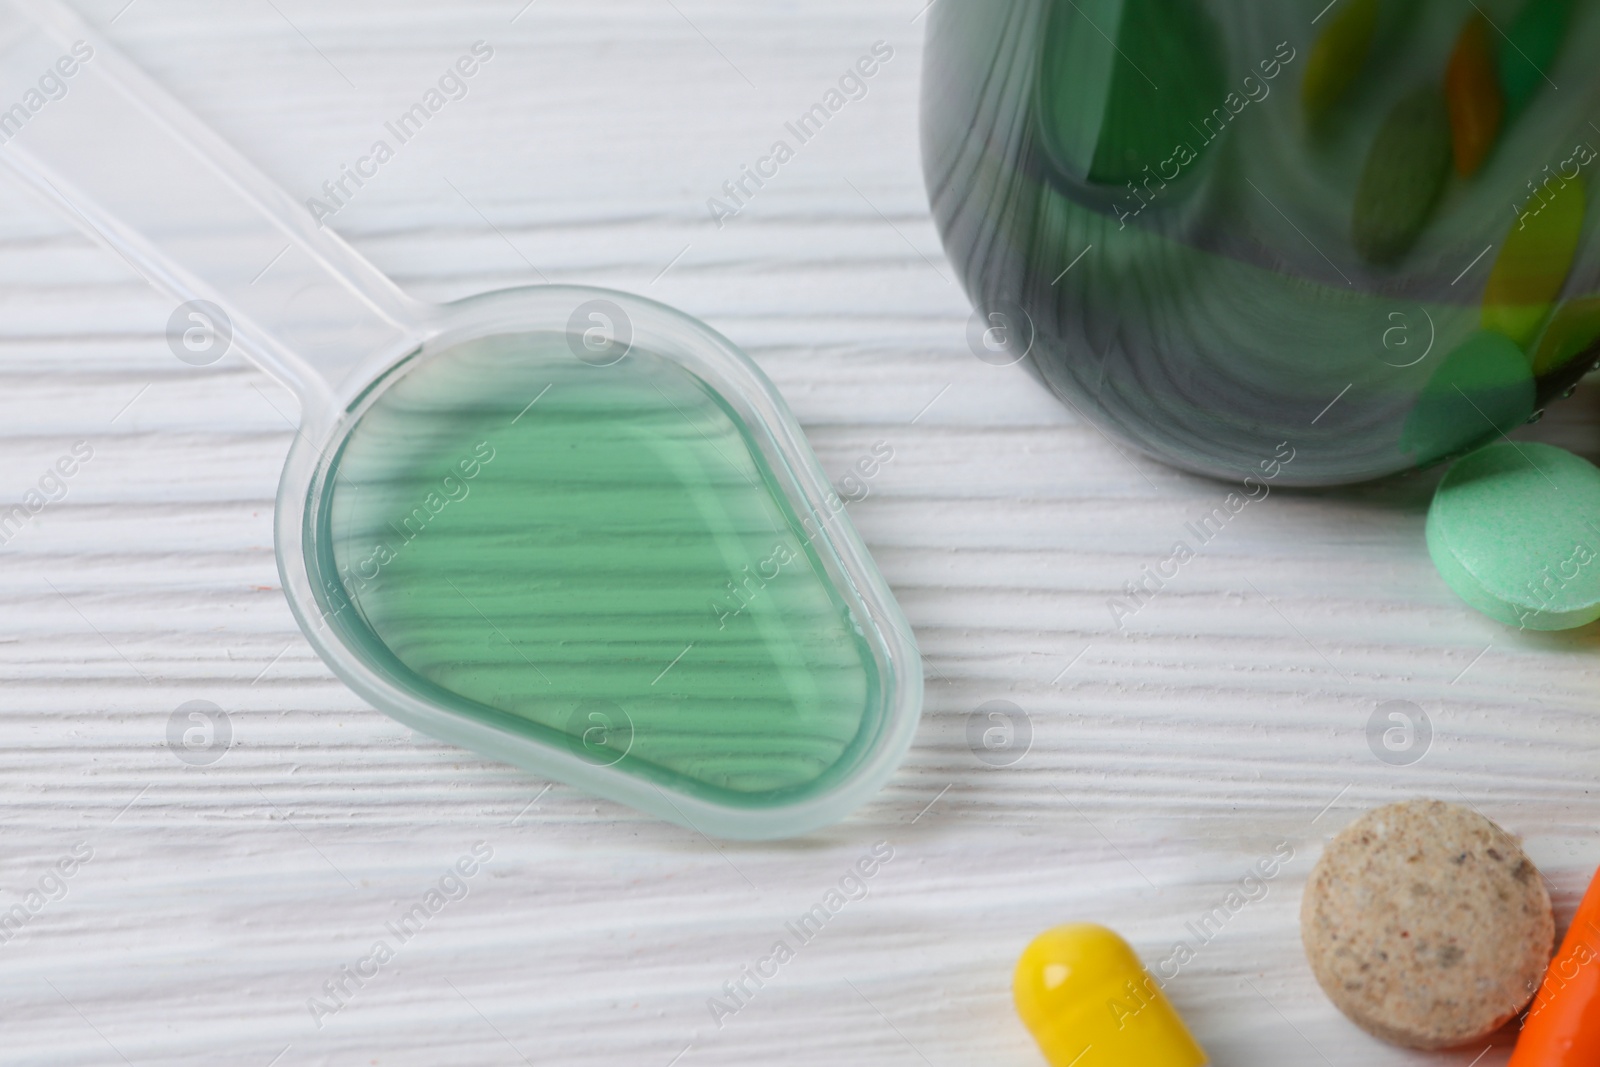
x,y
611,568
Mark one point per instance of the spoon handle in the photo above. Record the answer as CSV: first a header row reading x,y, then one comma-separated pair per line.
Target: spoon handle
x,y
84,127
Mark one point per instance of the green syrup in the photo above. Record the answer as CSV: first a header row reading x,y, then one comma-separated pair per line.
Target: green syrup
x,y
598,557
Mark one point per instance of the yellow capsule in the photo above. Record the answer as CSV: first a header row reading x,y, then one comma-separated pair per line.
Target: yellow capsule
x,y
1088,1001
1573,332
1533,263
1337,56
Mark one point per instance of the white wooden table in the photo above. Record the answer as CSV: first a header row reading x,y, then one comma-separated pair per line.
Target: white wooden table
x,y
1231,715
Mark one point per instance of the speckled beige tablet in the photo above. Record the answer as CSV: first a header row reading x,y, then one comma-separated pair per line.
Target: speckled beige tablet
x,y
1426,925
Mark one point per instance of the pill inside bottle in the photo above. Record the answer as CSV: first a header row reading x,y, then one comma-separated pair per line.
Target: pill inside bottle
x,y
598,557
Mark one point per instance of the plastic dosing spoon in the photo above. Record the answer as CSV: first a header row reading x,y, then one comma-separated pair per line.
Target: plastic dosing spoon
x,y
565,527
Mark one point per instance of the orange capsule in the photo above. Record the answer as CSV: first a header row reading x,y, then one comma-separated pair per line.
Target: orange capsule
x,y
1563,1026
1472,89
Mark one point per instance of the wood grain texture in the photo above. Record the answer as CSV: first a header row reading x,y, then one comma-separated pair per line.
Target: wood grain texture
x,y
1228,716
